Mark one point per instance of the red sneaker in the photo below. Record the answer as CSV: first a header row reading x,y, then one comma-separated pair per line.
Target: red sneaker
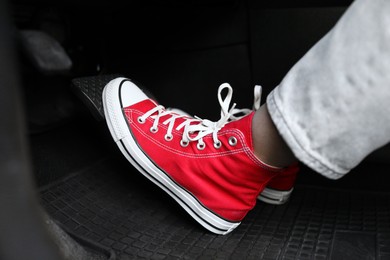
x,y
279,189
208,167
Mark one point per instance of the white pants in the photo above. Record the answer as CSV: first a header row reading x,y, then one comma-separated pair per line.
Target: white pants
x,y
333,107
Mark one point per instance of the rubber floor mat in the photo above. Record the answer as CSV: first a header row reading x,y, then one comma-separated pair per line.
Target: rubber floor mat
x,y
114,206
111,204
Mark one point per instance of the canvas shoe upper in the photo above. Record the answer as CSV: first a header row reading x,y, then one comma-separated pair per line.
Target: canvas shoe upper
x,y
209,168
279,189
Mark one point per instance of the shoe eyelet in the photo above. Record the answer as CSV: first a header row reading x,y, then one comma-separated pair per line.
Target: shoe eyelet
x,y
140,120
184,143
154,130
168,137
218,145
232,141
200,146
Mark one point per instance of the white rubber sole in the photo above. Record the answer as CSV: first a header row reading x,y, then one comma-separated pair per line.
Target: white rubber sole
x,y
128,146
275,197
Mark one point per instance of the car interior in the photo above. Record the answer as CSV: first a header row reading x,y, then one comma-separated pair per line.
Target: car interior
x,y
67,192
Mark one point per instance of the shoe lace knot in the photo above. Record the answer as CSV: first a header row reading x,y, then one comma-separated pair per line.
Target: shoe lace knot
x,y
195,129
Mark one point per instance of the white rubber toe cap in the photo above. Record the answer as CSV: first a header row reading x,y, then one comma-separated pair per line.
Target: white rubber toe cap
x,y
118,94
129,93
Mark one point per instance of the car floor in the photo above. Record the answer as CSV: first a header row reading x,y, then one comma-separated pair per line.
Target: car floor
x,y
97,196
89,189
110,204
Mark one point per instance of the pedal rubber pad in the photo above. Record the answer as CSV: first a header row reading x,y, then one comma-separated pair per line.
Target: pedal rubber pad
x,y
90,91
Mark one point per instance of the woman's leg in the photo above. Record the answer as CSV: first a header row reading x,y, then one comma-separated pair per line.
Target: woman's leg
x,y
333,107
269,146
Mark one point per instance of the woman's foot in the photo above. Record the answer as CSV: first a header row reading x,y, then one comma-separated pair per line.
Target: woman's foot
x,y
209,168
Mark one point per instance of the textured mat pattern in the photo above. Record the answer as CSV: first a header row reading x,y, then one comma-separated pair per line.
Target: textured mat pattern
x,y
114,206
90,90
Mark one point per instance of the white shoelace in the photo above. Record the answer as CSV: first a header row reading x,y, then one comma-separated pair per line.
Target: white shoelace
x,y
202,127
238,113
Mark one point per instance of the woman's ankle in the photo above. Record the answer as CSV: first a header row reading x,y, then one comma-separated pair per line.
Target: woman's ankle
x,y
269,146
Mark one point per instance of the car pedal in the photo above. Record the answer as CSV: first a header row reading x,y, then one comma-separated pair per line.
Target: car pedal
x,y
45,52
